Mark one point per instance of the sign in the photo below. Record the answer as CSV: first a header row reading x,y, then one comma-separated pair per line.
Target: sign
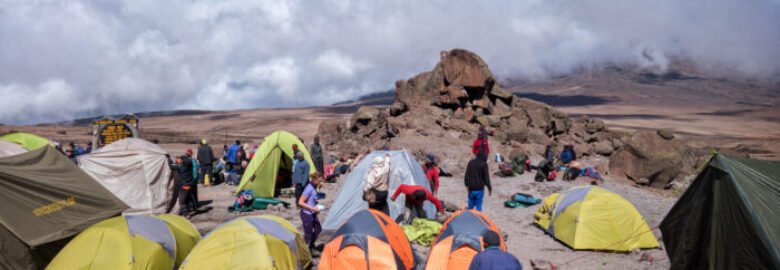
x,y
113,132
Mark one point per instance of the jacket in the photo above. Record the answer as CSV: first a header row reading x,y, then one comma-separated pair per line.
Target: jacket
x,y
205,155
182,173
481,144
408,190
300,173
232,154
432,174
494,258
477,175
568,155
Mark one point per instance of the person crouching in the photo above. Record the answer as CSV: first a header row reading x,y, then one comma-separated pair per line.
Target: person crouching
x,y
309,210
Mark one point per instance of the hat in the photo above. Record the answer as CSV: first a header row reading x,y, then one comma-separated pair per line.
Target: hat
x,y
298,154
203,141
491,239
378,161
188,152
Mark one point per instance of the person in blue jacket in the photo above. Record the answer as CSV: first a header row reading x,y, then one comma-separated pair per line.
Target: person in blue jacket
x,y
568,154
492,257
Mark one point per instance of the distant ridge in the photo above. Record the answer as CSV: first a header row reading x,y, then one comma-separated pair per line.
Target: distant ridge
x,y
374,99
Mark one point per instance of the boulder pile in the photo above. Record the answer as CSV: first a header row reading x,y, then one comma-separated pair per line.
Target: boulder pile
x,y
441,111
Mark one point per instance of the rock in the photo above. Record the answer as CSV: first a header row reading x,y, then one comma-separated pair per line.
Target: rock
x,y
464,68
518,133
665,134
538,137
594,125
647,155
397,109
502,94
603,148
642,181
583,150
365,114
468,114
541,264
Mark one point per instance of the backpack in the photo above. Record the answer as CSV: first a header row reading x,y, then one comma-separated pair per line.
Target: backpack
x,y
552,175
520,163
506,169
233,179
244,199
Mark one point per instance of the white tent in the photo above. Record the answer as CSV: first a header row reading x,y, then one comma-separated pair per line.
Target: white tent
x,y
10,149
404,169
135,171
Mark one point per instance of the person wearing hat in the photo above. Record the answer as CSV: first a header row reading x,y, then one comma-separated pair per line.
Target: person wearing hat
x,y
206,161
300,174
432,173
492,257
195,176
375,191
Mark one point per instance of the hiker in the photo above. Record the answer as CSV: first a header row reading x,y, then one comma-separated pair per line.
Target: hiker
x,y
476,178
492,257
432,172
183,181
316,154
415,197
568,154
232,156
300,174
548,153
309,210
195,176
241,155
481,143
206,160
295,160
375,190
89,148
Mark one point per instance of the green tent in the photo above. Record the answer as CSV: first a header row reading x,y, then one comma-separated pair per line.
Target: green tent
x,y
26,140
275,153
45,199
729,218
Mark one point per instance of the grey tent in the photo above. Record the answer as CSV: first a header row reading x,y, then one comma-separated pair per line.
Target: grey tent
x,y
10,149
136,171
728,218
45,200
404,169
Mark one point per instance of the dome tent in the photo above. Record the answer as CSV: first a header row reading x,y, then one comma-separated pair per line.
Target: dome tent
x,y
134,170
275,152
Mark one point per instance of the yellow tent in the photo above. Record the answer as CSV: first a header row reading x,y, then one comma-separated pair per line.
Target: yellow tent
x,y
258,242
275,152
130,242
593,218
26,140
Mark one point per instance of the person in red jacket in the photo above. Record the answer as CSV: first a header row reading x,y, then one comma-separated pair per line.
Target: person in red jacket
x,y
481,143
415,197
432,173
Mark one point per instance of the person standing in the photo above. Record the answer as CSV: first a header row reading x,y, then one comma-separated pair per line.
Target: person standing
x,y
308,204
432,173
476,178
300,175
316,154
492,257
295,153
481,143
182,176
195,177
375,189
232,156
206,160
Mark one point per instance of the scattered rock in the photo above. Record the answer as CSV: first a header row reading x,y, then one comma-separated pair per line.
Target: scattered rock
x,y
665,134
647,155
603,148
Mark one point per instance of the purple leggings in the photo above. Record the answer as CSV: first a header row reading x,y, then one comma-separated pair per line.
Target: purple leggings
x,y
311,228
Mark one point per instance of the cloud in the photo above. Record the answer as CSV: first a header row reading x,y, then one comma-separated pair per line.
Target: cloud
x,y
65,59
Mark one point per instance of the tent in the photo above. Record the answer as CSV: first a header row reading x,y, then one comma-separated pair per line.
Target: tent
x,y
459,240
26,140
256,242
404,169
368,240
275,152
45,200
729,218
130,242
10,149
136,171
593,218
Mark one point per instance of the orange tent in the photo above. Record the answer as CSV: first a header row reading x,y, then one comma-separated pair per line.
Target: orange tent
x,y
459,240
368,240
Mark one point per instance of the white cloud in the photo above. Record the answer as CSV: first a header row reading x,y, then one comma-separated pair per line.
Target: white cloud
x,y
137,55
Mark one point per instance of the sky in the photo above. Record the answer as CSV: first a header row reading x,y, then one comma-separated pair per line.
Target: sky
x,y
61,60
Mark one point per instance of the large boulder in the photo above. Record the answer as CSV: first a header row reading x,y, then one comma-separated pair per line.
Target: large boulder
x,y
647,155
465,68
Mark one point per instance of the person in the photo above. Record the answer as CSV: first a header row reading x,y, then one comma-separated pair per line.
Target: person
x,y
232,156
568,154
295,153
415,197
432,173
492,257
316,154
309,210
195,176
481,143
375,189
300,175
548,153
476,178
89,148
572,171
206,160
183,180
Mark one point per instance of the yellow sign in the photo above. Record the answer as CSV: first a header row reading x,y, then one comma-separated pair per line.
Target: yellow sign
x,y
114,132
54,207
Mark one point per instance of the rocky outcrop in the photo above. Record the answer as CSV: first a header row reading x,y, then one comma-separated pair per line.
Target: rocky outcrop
x,y
445,107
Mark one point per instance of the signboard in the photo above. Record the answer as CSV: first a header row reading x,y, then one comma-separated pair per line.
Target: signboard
x,y
113,132
108,130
